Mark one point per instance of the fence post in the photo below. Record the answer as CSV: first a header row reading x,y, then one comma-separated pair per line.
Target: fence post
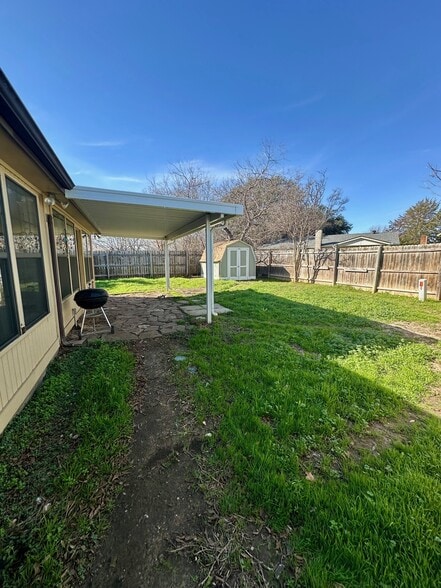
x,y
336,260
107,266
187,265
378,264
270,261
438,287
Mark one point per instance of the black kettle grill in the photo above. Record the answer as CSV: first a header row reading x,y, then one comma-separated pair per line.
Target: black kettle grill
x,y
92,299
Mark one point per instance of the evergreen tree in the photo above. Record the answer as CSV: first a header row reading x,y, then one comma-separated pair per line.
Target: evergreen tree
x,y
336,225
423,218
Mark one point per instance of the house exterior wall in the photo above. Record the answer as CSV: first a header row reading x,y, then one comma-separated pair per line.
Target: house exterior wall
x,y
23,364
25,356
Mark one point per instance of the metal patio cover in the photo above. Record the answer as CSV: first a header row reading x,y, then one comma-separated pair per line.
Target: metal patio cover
x,y
131,214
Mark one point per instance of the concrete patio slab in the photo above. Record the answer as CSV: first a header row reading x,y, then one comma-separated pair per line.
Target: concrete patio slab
x,y
200,310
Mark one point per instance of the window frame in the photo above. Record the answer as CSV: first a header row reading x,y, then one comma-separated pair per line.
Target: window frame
x,y
6,176
66,220
87,256
16,303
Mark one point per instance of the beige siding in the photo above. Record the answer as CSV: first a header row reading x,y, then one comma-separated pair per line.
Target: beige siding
x,y
23,363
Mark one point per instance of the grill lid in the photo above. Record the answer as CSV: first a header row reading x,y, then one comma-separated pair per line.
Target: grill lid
x,y
91,298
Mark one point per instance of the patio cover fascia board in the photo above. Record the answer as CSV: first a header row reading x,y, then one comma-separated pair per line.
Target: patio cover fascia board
x,y
149,216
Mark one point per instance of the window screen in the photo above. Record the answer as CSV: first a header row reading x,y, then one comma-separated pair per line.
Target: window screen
x,y
72,252
28,252
87,252
62,254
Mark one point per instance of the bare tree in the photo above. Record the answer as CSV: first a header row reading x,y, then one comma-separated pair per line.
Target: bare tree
x,y
258,185
185,180
305,207
435,178
123,244
276,203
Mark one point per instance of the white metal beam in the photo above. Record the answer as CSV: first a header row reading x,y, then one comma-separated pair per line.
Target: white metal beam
x,y
209,269
191,227
159,200
167,265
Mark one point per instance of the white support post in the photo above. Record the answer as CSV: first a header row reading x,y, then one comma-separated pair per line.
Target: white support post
x,y
209,269
167,266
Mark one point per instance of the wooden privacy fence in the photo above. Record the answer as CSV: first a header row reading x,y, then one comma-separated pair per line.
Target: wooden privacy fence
x,y
393,268
150,264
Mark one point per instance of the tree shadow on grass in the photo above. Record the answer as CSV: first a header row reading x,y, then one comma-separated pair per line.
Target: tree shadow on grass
x,y
340,332
273,375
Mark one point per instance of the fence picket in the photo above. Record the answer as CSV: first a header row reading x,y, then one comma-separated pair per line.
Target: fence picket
x,y
392,269
145,264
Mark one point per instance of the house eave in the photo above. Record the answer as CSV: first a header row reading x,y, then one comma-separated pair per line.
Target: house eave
x,y
18,123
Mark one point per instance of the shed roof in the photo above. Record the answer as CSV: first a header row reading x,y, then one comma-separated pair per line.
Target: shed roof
x,y
220,247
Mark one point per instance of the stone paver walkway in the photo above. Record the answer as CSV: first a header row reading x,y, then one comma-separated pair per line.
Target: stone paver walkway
x,y
142,316
136,316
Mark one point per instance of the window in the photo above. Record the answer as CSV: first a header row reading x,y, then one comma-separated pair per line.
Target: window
x,y
73,259
28,252
66,245
9,325
88,258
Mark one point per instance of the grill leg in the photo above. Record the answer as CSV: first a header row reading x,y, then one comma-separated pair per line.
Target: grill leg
x,y
82,324
108,322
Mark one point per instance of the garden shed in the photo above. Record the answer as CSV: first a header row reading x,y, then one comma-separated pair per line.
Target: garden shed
x,y
232,260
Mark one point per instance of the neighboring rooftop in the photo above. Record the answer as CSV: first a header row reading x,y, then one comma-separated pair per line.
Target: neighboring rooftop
x,y
347,239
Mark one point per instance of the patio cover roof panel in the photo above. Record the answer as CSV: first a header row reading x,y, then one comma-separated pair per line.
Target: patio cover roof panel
x,y
131,214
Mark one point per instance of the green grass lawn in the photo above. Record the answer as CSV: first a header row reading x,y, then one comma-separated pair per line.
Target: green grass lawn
x,y
303,381
317,425
60,462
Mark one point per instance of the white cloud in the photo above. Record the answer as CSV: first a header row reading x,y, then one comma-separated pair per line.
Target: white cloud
x,y
304,102
115,143
130,179
215,170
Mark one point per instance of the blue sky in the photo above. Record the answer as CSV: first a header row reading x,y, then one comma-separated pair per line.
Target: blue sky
x,y
123,89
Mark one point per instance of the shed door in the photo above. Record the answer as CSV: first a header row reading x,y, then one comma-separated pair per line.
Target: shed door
x,y
238,259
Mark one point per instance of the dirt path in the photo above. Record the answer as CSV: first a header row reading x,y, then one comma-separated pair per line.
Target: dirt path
x,y
161,519
160,500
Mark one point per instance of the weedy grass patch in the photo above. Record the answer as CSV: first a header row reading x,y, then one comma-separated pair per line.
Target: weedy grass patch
x,y
155,285
61,458
319,427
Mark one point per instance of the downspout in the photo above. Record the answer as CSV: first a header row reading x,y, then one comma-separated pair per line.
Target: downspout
x,y
56,274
